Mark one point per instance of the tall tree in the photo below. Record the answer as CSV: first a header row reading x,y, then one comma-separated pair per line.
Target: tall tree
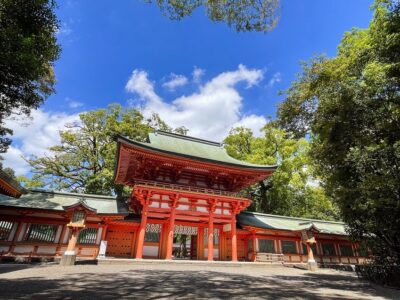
x,y
292,190
28,48
243,15
84,161
351,106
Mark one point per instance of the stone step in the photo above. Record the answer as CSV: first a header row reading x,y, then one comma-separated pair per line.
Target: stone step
x,y
127,261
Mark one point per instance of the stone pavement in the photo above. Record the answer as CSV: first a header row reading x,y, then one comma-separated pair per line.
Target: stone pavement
x,y
180,281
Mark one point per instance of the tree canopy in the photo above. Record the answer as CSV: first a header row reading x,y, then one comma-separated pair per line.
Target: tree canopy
x,y
292,190
28,48
84,161
242,15
350,105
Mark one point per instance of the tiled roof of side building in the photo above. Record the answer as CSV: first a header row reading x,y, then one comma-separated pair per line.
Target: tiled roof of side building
x,y
266,221
55,200
190,147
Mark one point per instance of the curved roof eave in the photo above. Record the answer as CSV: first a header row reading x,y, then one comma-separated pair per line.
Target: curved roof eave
x,y
241,164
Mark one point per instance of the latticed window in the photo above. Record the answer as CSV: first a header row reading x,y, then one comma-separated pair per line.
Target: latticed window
x,y
5,229
153,232
289,247
78,217
41,232
215,236
152,237
313,247
346,250
266,246
328,249
87,236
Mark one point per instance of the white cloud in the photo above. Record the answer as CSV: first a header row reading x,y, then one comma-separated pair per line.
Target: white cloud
x,y
276,78
13,159
197,74
73,103
209,113
33,135
175,81
254,122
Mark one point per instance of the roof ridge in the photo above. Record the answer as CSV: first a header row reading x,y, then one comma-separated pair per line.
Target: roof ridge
x,y
101,197
187,137
294,218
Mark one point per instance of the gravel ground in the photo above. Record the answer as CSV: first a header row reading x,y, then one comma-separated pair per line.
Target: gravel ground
x,y
174,281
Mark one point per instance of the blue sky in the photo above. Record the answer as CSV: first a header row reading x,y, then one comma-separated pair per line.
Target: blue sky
x,y
126,51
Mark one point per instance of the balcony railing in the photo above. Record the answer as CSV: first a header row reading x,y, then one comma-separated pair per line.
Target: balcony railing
x,y
189,188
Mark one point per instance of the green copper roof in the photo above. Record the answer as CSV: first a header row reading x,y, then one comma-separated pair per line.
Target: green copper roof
x,y
266,221
194,148
54,200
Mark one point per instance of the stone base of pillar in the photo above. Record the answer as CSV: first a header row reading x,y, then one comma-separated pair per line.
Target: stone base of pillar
x,y
68,260
312,265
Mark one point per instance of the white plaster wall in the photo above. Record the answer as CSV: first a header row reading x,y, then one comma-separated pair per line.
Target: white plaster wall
x,y
182,207
23,249
218,211
46,249
66,236
227,212
215,253
154,204
164,205
201,209
22,232
4,248
59,229
99,234
150,251
13,230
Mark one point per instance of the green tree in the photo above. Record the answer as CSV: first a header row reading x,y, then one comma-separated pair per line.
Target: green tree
x,y
350,104
85,159
28,48
243,15
292,189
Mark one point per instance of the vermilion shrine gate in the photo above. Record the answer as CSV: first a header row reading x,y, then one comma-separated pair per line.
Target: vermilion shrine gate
x,y
179,188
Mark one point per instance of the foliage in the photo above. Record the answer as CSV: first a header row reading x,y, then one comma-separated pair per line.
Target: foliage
x,y
351,106
85,159
28,48
290,190
243,15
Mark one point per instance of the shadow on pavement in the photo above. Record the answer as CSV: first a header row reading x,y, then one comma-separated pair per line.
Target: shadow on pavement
x,y
155,284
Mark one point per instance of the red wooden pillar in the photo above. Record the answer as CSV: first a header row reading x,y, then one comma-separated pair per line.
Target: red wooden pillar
x,y
211,237
170,237
234,239
200,243
142,232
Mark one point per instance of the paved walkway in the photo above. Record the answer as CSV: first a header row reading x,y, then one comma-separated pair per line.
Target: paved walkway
x,y
174,281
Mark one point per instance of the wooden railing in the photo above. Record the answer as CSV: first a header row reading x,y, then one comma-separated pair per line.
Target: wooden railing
x,y
188,188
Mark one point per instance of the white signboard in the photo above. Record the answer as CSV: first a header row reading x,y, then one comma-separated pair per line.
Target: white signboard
x,y
227,227
103,248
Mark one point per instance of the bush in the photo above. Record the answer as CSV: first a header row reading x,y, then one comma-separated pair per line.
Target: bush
x,y
388,275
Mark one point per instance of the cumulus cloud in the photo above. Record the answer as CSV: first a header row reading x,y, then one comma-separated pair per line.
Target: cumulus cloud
x,y
276,78
175,81
208,113
33,136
